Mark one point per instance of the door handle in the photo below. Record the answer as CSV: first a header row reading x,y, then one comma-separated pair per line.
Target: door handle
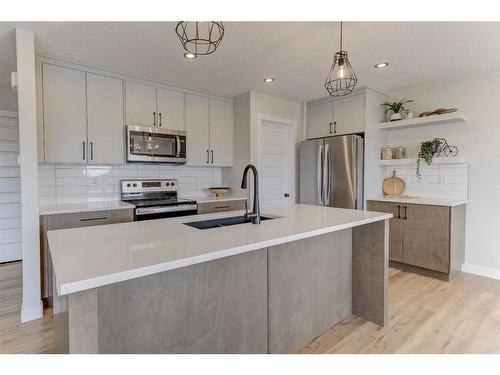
x,y
287,195
320,175
83,150
212,156
327,175
208,156
159,114
91,150
405,207
154,118
330,128
399,211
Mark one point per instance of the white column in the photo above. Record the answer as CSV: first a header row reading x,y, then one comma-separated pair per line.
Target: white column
x,y
32,307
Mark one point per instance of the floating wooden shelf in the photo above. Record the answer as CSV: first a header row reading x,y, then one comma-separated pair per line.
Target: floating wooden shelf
x,y
442,160
422,121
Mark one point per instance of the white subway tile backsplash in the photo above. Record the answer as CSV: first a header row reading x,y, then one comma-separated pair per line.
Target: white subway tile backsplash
x,y
437,181
74,183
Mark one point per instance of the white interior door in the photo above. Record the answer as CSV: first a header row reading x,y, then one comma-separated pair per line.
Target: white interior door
x,y
276,164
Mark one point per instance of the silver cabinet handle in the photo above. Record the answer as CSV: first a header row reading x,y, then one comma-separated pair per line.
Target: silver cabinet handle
x,y
327,175
212,156
154,118
320,175
83,150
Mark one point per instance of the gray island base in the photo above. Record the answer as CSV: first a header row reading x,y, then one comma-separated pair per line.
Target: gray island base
x,y
271,300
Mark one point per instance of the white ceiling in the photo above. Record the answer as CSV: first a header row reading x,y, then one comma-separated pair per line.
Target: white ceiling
x,y
297,54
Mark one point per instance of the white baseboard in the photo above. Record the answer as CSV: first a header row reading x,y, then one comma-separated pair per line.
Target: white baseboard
x,y
493,273
31,312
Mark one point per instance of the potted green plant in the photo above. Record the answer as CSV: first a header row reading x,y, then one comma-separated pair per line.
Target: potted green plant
x,y
428,150
396,108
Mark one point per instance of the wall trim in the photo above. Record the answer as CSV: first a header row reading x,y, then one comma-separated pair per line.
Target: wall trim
x,y
492,273
29,313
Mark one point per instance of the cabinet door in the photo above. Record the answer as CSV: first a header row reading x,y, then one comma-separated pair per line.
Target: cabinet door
x,y
221,133
426,237
170,106
320,120
349,114
105,120
64,115
197,127
395,228
140,104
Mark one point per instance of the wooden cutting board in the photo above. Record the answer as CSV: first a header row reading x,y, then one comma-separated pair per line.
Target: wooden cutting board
x,y
393,186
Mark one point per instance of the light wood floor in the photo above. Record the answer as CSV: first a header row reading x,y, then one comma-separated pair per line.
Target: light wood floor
x,y
426,316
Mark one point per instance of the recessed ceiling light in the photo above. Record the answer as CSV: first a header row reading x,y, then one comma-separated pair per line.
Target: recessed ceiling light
x,y
381,65
268,80
189,55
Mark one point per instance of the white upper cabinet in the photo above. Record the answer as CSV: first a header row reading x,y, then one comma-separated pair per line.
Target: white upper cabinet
x,y
350,114
197,127
170,108
320,119
140,104
221,133
106,134
64,115
344,115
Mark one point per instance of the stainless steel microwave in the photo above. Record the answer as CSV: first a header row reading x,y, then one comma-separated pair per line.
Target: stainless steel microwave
x,y
155,145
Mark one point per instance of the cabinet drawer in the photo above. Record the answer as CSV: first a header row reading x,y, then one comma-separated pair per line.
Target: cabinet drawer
x,y
87,219
210,207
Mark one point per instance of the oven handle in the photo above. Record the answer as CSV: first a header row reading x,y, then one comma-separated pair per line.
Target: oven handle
x,y
178,141
158,210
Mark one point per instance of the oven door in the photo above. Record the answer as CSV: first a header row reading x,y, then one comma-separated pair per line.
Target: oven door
x,y
161,212
150,144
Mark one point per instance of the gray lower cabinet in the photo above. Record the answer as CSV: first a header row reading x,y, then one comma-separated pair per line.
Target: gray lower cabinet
x,y
425,236
221,206
72,220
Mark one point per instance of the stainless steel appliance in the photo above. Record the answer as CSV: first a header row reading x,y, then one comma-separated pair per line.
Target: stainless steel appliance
x,y
156,199
151,144
331,171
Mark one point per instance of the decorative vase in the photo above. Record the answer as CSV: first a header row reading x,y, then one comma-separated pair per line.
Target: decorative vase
x,y
396,116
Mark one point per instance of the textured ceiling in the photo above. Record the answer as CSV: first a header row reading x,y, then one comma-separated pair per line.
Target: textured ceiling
x,y
297,54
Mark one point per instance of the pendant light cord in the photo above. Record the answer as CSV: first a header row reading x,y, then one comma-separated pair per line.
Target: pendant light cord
x,y
341,36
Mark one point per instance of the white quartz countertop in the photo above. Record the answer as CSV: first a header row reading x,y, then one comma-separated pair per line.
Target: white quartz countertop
x,y
213,198
90,257
421,200
68,208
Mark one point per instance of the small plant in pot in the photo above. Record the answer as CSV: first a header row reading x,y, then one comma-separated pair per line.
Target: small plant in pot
x,y
428,150
396,108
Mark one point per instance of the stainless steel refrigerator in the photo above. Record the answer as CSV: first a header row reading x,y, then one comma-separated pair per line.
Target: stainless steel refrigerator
x,y
331,171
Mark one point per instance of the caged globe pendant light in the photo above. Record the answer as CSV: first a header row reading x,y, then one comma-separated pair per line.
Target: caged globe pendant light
x,y
200,38
341,78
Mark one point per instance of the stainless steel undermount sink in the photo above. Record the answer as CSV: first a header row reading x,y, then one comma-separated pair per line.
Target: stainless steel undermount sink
x,y
224,222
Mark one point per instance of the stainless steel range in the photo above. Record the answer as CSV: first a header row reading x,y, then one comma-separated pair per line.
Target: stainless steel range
x,y
156,199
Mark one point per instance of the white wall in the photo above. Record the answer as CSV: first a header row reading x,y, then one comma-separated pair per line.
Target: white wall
x,y
25,53
478,141
10,189
67,183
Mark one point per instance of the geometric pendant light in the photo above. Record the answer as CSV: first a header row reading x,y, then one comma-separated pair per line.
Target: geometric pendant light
x,y
200,38
341,79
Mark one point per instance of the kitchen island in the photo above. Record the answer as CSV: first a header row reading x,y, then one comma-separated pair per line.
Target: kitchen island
x,y
161,286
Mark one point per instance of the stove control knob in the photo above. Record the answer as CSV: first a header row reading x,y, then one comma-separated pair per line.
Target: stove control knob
x,y
172,184
134,185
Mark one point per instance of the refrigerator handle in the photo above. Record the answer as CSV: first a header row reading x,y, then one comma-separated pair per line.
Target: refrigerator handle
x,y
327,175
320,175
